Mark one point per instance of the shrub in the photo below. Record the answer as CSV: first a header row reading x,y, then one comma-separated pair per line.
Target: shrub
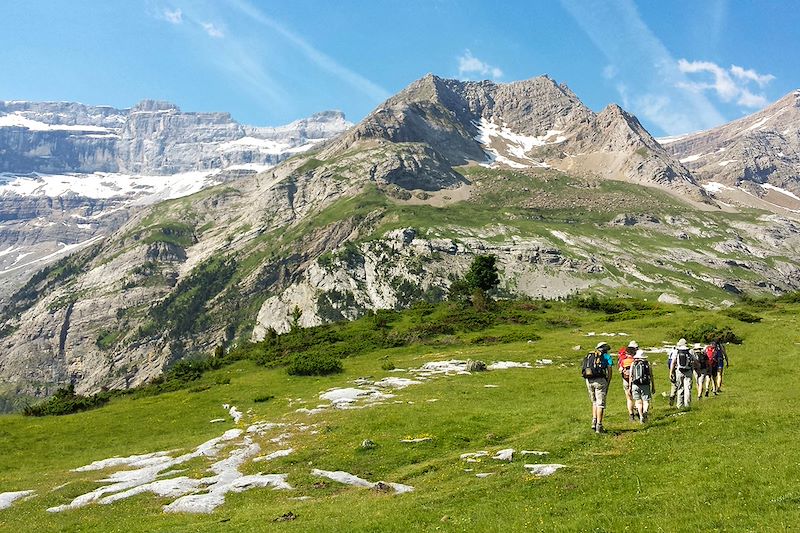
x,y
65,402
387,365
314,364
263,398
706,332
743,316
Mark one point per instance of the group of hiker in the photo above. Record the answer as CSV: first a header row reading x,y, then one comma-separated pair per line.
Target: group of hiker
x,y
700,364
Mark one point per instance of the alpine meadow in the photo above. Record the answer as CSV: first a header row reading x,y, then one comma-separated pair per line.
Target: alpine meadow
x,y
422,302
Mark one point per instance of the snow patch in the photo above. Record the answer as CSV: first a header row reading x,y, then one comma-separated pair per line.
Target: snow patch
x,y
504,455
397,383
347,397
778,189
727,162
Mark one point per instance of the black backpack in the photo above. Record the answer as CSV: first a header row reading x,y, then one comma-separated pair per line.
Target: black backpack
x,y
684,360
594,366
702,360
640,372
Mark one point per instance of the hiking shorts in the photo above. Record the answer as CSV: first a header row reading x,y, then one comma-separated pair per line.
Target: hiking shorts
x,y
625,386
598,388
641,392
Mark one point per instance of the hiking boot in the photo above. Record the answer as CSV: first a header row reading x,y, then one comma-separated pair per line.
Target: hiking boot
x,y
644,418
706,394
600,429
594,424
672,400
632,417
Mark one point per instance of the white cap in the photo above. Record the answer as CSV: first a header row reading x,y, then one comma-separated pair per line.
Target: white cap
x,y
640,355
633,344
600,345
681,344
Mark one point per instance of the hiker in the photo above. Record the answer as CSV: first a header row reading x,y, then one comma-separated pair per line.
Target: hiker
x,y
673,387
626,354
643,385
681,371
720,362
596,370
702,371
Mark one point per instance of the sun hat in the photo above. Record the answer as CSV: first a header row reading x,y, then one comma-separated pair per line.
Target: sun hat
x,y
601,345
681,344
633,344
640,355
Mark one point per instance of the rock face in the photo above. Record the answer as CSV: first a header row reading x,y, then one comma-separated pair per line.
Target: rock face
x,y
762,149
69,173
151,138
379,217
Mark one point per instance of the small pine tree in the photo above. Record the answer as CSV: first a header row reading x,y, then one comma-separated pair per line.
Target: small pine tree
x,y
295,316
482,273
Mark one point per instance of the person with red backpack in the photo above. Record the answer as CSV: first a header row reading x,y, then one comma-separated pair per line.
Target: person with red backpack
x,y
702,371
626,354
643,385
596,370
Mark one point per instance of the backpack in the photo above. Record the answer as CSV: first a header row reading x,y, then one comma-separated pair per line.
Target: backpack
x,y
594,366
640,372
702,360
684,361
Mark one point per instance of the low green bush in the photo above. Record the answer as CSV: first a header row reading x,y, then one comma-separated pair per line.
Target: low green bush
x,y
65,402
314,364
707,332
742,315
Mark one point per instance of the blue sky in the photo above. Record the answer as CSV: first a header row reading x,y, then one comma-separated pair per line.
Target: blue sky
x,y
679,65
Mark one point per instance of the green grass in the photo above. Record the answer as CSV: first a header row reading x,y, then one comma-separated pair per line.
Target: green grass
x,y
731,458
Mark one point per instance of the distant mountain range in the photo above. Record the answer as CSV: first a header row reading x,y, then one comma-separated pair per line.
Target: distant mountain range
x,y
387,213
68,171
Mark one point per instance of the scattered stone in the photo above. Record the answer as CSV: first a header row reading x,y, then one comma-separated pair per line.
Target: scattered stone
x,y
380,486
504,365
544,362
349,479
8,498
346,398
491,386
577,347
300,498
543,470
504,455
483,475
216,420
286,517
418,439
472,457
475,366
534,452
274,455
368,444
397,383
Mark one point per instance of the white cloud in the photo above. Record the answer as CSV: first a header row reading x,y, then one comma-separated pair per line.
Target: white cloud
x,y
750,74
729,84
644,73
470,66
173,17
212,30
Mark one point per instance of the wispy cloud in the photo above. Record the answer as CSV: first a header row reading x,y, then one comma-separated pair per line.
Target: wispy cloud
x,y
320,59
212,30
641,68
731,84
470,67
173,16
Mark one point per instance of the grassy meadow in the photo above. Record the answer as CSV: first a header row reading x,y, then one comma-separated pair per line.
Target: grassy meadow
x,y
728,464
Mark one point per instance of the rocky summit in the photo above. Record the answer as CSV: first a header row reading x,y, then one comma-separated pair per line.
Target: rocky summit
x,y
386,214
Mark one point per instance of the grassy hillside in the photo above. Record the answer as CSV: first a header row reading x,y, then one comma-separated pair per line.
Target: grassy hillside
x,y
730,461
